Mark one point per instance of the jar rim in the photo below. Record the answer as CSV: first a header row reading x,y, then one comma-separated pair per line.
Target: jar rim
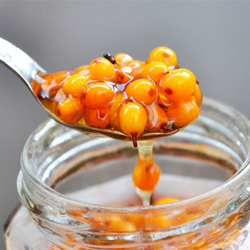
x,y
26,168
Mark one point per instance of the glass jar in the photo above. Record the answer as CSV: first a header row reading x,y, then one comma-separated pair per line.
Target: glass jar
x,y
77,193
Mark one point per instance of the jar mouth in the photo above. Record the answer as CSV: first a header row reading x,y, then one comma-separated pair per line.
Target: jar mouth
x,y
28,174
220,135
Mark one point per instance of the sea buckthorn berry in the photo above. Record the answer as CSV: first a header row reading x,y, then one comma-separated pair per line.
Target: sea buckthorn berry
x,y
122,58
118,224
146,175
178,84
165,200
154,71
83,70
97,117
123,74
133,119
160,221
142,90
98,95
101,69
53,83
165,55
114,110
74,85
70,110
57,75
184,112
157,119
198,95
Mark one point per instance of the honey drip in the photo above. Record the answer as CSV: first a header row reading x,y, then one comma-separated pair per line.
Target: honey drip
x,y
146,173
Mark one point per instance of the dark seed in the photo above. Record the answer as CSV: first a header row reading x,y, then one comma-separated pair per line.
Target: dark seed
x,y
109,57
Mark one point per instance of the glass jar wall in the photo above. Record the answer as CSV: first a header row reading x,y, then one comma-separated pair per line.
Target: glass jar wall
x,y
77,191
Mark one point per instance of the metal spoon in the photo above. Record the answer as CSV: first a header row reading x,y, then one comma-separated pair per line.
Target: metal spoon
x,y
27,69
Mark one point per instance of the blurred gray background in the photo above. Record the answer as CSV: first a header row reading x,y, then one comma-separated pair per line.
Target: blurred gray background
x,y
210,38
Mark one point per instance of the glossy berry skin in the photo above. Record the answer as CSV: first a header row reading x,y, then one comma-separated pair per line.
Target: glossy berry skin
x,y
122,58
155,71
98,117
83,70
184,112
98,95
101,69
52,83
165,55
70,110
178,84
124,74
142,90
146,175
74,85
133,119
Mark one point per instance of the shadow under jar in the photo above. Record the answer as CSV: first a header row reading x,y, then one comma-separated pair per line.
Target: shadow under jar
x,y
77,192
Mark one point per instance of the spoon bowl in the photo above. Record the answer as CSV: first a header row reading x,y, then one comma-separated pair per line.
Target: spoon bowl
x,y
28,70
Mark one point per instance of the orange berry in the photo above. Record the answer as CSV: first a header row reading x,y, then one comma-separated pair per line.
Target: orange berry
x,y
157,119
70,110
123,74
146,175
57,75
165,55
53,82
165,200
101,69
183,113
160,221
122,58
133,119
98,95
74,85
198,95
178,84
154,71
142,90
83,70
98,117
119,98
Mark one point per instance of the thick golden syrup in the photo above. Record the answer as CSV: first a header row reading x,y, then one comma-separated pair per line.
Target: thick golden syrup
x,y
146,173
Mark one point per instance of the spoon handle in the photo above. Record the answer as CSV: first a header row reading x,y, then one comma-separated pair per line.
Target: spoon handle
x,y
18,61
